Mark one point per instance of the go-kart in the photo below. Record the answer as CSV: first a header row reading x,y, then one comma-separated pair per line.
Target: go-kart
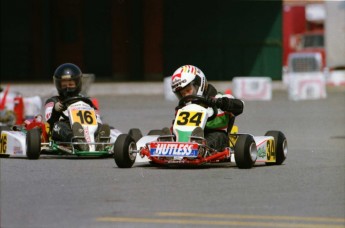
x,y
184,147
14,108
33,139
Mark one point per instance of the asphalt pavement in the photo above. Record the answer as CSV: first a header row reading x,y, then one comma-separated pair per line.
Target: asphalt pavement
x,y
308,190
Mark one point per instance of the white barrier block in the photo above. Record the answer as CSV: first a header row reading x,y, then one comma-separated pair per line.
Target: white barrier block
x,y
252,88
307,86
168,93
336,78
32,106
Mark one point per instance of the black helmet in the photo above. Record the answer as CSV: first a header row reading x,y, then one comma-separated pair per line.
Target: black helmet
x,y
68,71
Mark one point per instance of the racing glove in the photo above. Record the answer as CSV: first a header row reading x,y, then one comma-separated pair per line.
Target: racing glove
x,y
59,107
226,104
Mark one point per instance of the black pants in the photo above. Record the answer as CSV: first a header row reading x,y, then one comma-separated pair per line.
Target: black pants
x,y
217,139
62,132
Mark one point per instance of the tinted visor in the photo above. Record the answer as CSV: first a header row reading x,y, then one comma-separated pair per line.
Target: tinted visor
x,y
190,89
66,90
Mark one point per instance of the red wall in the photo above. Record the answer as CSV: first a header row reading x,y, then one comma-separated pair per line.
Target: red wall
x,y
294,22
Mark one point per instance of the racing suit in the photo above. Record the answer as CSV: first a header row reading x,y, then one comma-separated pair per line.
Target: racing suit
x,y
216,130
59,124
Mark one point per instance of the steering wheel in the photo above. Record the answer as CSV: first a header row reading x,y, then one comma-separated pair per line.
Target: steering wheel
x,y
194,99
71,100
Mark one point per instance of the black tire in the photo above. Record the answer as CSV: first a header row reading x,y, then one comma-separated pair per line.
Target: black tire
x,y
280,145
33,143
135,133
155,132
122,147
245,151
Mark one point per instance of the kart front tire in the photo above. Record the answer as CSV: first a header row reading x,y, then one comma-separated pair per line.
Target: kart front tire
x,y
245,151
33,143
123,146
280,145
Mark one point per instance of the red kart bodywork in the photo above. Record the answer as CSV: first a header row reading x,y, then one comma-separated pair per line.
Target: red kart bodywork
x,y
37,123
213,158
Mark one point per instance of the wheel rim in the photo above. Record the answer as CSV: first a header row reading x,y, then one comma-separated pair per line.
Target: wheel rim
x,y
253,151
131,148
285,149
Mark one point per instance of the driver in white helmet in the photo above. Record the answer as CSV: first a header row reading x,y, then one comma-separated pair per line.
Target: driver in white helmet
x,y
190,80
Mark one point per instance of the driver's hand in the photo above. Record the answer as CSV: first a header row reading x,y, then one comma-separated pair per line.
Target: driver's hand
x,y
59,107
211,101
222,103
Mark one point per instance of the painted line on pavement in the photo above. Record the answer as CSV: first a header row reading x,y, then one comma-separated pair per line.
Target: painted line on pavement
x,y
261,217
233,220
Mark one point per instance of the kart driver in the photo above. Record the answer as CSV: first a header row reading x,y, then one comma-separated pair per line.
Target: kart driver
x,y
190,80
68,82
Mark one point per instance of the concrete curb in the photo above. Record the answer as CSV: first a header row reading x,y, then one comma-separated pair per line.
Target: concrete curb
x,y
116,88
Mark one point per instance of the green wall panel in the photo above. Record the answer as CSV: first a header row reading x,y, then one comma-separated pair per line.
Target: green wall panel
x,y
224,38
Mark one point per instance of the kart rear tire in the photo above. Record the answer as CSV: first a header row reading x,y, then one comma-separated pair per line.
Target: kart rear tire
x,y
155,132
33,143
122,147
280,145
135,133
245,151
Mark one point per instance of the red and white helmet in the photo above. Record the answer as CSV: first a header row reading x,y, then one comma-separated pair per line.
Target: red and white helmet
x,y
186,75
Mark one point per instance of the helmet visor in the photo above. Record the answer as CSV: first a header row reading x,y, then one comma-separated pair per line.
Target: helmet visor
x,y
190,89
68,87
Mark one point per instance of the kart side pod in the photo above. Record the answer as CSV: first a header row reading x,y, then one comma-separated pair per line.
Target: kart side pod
x,y
270,149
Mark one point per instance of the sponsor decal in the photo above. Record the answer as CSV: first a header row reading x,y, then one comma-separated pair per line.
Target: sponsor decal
x,y
176,76
177,83
87,134
17,150
49,105
56,129
174,149
80,105
48,110
261,152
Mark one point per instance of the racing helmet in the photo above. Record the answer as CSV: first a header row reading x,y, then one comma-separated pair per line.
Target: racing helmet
x,y
188,75
68,71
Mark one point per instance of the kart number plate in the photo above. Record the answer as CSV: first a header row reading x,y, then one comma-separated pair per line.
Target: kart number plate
x,y
270,151
174,149
84,117
3,143
187,118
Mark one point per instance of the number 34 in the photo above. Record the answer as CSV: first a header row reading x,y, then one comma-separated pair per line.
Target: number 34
x,y
189,118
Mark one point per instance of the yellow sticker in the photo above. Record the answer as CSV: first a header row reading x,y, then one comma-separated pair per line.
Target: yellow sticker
x,y
3,143
233,136
270,151
84,117
186,118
